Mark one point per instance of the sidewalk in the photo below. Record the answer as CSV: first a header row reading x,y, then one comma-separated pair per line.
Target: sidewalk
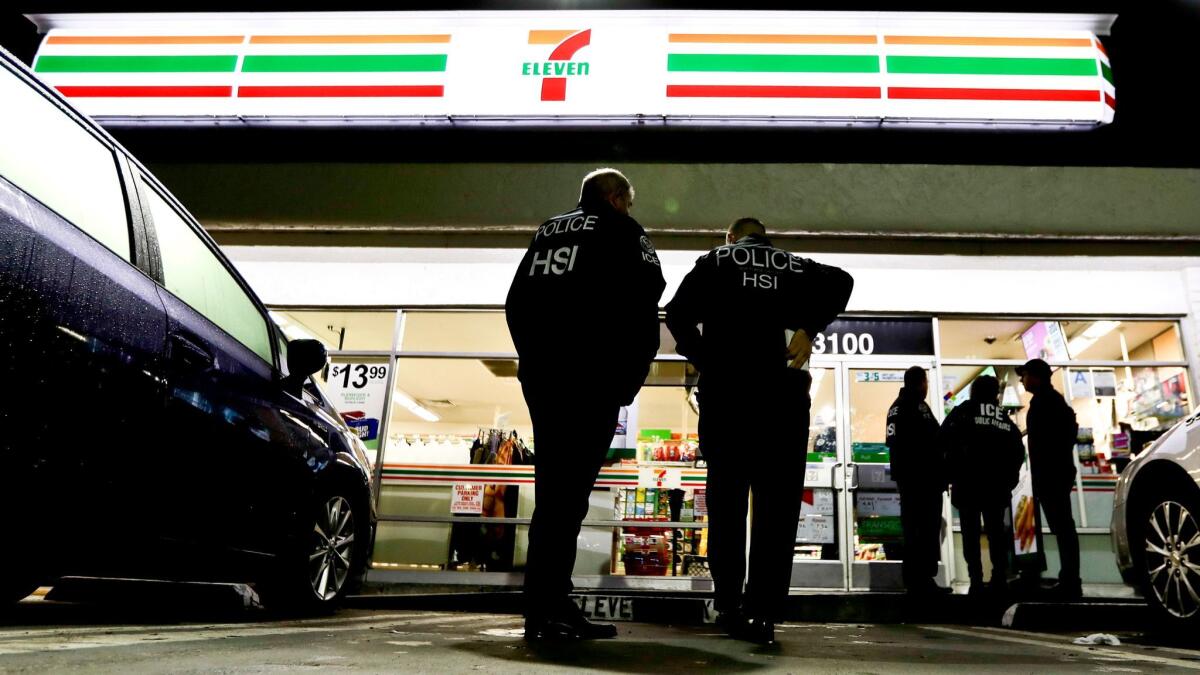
x,y
684,608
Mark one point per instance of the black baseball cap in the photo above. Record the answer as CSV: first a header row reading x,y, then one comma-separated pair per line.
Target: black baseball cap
x,y
1035,367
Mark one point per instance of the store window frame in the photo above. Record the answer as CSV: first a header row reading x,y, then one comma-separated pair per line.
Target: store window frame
x,y
397,354
1085,526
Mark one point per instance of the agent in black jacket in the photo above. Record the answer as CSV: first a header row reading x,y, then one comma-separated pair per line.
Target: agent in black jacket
x,y
984,452
917,468
1052,433
584,299
753,408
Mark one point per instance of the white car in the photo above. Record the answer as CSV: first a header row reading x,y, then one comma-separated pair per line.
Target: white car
x,y
1156,523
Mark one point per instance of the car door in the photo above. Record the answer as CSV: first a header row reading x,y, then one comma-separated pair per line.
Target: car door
x,y
235,448
82,336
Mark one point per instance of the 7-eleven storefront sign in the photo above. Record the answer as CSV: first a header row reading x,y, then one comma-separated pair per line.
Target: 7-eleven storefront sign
x,y
635,67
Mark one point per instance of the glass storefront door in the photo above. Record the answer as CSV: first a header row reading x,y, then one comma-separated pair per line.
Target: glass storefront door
x,y
872,496
849,536
820,554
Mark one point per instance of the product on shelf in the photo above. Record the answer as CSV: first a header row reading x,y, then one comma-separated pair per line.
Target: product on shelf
x,y
643,549
646,554
661,445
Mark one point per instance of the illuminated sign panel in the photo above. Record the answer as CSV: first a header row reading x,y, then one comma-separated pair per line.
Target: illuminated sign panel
x,y
631,67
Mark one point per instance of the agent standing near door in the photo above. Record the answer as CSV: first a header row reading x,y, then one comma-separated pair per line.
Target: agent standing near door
x,y
583,313
753,408
1052,431
984,452
918,469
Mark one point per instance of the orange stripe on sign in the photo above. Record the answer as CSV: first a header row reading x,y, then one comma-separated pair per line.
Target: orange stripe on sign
x,y
549,37
144,39
986,41
749,38
346,39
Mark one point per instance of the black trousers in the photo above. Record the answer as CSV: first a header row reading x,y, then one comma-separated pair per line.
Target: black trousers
x,y
991,508
921,520
1056,504
755,442
572,429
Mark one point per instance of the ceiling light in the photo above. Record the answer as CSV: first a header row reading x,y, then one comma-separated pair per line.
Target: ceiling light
x,y
1078,344
408,403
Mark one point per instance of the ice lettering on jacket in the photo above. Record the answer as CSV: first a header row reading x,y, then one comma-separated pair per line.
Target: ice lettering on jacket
x,y
993,415
648,253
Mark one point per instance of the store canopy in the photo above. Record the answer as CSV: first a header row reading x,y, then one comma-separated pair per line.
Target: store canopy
x,y
584,67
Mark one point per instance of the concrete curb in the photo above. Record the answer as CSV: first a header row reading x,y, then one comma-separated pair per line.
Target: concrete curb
x,y
886,608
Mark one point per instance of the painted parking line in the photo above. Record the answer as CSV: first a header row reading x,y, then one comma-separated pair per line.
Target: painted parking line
x,y
1102,652
102,637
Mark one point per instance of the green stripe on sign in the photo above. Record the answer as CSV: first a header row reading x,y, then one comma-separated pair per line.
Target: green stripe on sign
x,y
136,64
963,65
1106,72
389,63
771,63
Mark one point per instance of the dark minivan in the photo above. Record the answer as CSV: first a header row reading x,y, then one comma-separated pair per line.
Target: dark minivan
x,y
154,423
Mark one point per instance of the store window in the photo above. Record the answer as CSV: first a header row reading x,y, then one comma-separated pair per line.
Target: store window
x,y
663,534
339,330
458,448
453,331
1125,379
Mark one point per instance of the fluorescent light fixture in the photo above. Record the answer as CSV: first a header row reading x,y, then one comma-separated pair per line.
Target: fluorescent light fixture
x,y
1088,337
408,403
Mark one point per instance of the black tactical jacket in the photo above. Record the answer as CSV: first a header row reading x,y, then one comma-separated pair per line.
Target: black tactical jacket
x,y
583,304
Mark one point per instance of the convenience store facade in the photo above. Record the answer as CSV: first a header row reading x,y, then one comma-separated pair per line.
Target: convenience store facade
x,y
1123,355
401,267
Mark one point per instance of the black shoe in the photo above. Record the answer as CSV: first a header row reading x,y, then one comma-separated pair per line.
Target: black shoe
x,y
567,625
732,623
978,589
1065,591
998,589
758,631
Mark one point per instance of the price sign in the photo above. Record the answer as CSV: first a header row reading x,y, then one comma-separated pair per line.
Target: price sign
x,y
357,375
358,391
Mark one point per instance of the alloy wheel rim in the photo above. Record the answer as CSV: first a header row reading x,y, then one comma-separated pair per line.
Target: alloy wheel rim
x,y
332,552
1173,559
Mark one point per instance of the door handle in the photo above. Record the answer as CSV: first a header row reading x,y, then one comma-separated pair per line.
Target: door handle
x,y
833,476
191,354
854,466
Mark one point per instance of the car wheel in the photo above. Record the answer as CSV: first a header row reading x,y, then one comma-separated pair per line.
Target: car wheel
x,y
1170,552
328,561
